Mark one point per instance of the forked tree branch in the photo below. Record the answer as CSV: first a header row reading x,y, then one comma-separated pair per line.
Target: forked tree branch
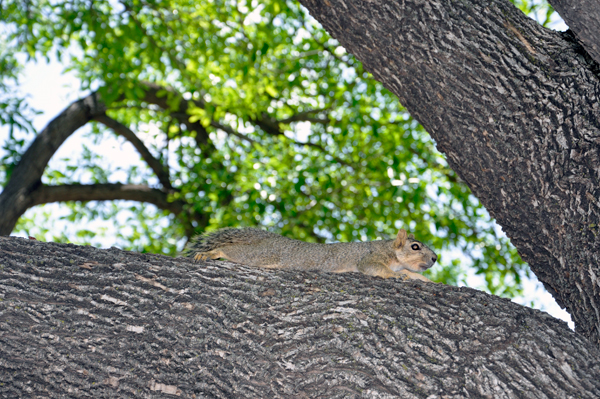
x,y
21,191
15,198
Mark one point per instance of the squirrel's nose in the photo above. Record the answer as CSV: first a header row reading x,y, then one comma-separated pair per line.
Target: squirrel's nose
x,y
434,258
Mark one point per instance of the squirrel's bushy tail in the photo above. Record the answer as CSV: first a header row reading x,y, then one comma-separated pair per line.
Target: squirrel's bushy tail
x,y
226,236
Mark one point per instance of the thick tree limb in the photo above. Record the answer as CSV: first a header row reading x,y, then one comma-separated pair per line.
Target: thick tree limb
x,y
15,197
157,167
583,18
79,321
514,107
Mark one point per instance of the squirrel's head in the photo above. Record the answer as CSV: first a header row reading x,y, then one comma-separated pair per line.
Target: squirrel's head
x,y
412,255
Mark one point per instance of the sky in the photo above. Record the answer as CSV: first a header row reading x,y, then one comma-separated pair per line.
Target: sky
x,y
50,91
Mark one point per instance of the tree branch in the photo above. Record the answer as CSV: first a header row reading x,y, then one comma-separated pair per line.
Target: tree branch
x,y
232,132
157,167
271,127
44,194
267,124
21,191
305,116
159,95
14,199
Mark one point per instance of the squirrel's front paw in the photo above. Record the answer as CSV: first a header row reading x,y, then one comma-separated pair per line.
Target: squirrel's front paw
x,y
408,275
201,256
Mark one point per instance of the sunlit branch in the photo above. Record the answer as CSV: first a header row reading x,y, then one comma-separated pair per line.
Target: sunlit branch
x,y
271,127
159,95
304,116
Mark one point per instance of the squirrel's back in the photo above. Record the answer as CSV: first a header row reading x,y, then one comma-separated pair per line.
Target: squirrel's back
x,y
228,236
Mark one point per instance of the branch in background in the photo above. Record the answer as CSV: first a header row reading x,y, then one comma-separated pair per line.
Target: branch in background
x,y
27,175
267,124
229,130
181,113
119,128
271,127
44,194
321,121
24,188
106,192
305,116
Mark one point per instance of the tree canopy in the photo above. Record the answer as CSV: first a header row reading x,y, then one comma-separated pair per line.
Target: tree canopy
x,y
245,114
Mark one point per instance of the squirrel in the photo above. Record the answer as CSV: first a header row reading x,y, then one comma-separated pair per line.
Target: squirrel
x,y
401,257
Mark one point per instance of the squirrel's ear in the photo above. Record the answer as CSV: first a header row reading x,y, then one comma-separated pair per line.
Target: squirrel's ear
x,y
400,239
411,236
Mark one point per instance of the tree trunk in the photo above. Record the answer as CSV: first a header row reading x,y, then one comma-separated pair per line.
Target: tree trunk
x,y
514,107
84,322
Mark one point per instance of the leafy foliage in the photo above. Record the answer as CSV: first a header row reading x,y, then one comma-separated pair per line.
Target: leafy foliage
x,y
283,129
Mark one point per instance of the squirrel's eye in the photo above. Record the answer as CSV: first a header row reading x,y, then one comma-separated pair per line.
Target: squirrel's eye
x,y
415,247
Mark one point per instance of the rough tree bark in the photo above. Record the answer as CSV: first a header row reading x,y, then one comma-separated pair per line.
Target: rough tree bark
x,y
84,322
514,107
